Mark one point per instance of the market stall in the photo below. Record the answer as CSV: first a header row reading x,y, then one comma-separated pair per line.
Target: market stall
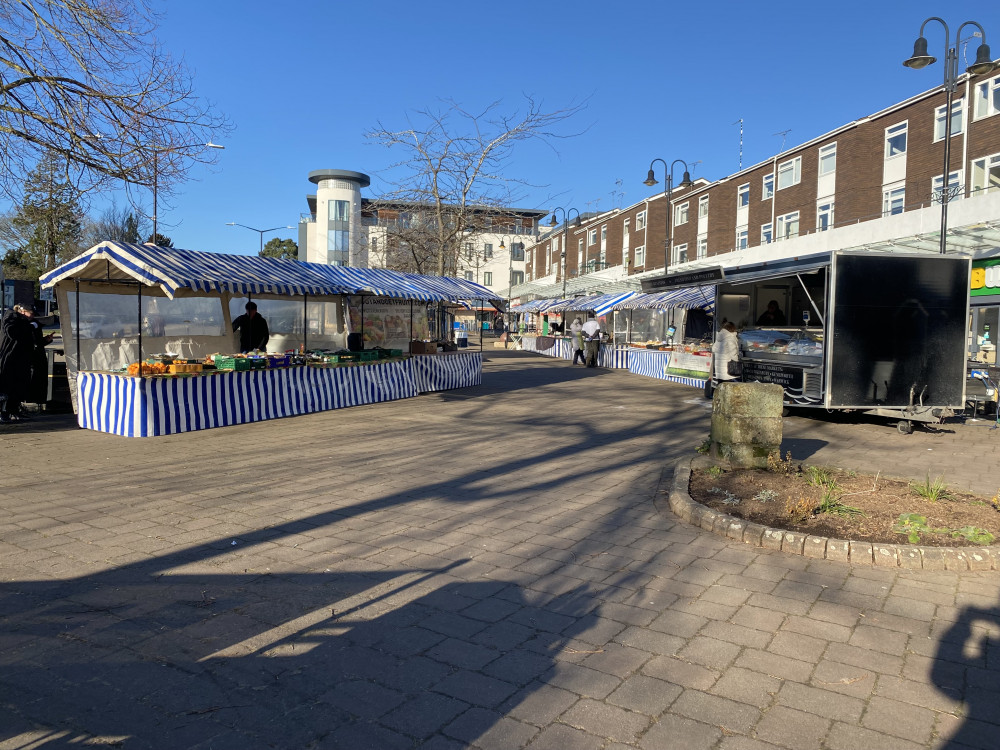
x,y
338,337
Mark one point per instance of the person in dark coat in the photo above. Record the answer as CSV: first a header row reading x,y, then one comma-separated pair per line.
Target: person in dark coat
x,y
253,329
39,385
17,346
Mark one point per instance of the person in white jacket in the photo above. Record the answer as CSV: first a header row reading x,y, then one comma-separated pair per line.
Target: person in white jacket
x,y
726,349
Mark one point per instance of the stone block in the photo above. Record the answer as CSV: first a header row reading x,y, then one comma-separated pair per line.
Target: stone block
x,y
932,558
886,555
708,517
815,546
862,552
954,559
681,506
980,559
743,456
735,429
772,538
697,511
792,542
838,550
753,533
749,399
909,557
734,529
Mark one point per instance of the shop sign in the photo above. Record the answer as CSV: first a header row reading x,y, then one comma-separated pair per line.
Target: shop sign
x,y
985,279
686,278
787,377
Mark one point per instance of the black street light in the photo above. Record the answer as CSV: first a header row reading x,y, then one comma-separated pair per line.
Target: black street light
x,y
668,192
156,171
920,59
553,223
510,282
261,232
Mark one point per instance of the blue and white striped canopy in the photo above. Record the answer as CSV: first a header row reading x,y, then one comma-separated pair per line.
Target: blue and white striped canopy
x,y
173,269
687,298
599,303
536,306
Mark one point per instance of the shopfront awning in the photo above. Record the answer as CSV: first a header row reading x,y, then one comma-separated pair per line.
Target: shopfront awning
x,y
174,269
535,306
686,298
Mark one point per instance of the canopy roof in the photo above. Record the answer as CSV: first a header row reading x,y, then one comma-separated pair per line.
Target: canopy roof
x,y
537,305
173,269
686,298
600,303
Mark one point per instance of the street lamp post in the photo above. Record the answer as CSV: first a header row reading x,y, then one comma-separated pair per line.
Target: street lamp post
x,y
261,232
576,223
510,283
156,171
920,59
668,192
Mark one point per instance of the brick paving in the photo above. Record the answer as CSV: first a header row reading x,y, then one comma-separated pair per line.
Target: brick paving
x,y
482,568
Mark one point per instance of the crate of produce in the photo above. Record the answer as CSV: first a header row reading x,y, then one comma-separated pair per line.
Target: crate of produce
x,y
177,367
388,353
232,363
281,361
258,363
367,355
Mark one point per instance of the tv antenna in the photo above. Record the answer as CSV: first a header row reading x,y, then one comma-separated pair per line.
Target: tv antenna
x,y
783,134
694,164
740,123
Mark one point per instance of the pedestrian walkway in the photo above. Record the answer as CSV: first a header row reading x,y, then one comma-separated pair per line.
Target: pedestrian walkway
x,y
481,568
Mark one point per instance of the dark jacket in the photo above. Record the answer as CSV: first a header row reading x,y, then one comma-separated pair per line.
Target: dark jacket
x,y
253,332
17,345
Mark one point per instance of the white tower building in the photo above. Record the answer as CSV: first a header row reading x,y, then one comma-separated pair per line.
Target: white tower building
x,y
333,233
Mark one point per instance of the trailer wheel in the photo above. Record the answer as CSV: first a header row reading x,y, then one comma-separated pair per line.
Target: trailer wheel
x,y
905,427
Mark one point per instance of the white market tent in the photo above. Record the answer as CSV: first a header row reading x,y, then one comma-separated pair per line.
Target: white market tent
x,y
109,294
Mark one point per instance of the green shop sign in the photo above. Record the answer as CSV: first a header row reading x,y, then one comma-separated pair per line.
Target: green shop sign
x,y
985,278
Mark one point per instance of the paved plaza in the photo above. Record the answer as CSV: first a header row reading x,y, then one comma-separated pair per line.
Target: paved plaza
x,y
489,568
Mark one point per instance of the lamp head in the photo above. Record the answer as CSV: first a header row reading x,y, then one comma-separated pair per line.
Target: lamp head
x,y
502,246
686,182
920,57
576,222
650,179
553,221
984,62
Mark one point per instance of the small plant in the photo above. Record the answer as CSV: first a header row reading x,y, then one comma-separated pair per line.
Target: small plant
x,y
831,504
801,511
932,491
819,477
776,465
995,501
706,445
716,491
973,534
730,499
765,496
715,471
911,524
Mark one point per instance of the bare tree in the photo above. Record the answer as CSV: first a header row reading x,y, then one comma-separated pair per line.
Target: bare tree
x,y
87,80
451,179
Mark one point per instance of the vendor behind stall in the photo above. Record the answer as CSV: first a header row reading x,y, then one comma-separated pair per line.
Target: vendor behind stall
x,y
772,316
253,329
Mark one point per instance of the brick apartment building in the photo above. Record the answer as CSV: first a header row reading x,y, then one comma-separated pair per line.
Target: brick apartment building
x,y
872,182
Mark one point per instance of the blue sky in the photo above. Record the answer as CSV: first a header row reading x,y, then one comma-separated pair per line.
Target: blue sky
x,y
303,82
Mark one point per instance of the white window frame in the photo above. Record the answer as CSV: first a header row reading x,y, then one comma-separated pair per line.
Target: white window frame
x,y
743,195
987,99
783,226
893,132
828,159
893,198
702,251
517,277
592,237
677,252
640,220
767,186
468,276
792,167
742,239
703,206
955,184
487,278
639,256
625,227
604,233
824,211
984,166
487,250
957,113
681,213
766,233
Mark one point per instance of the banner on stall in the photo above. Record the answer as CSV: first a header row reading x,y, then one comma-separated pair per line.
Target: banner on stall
x,y
689,365
386,321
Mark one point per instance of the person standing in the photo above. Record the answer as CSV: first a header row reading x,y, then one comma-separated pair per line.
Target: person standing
x,y
592,333
253,330
726,349
17,345
576,334
37,392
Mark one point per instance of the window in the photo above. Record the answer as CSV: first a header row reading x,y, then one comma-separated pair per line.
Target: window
x,y
892,201
468,275
681,214
986,174
625,228
987,98
824,217
828,159
766,233
954,187
743,196
592,237
956,120
742,238
339,211
468,249
703,207
789,173
604,233
487,278
768,187
488,250
895,140
517,277
788,226
517,251
681,254
640,220
640,256
702,248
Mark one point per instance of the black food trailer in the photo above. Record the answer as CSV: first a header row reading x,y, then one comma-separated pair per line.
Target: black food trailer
x,y
878,332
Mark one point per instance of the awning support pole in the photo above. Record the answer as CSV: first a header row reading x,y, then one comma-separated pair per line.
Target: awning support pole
x,y
77,327
811,302
410,347
140,329
305,322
